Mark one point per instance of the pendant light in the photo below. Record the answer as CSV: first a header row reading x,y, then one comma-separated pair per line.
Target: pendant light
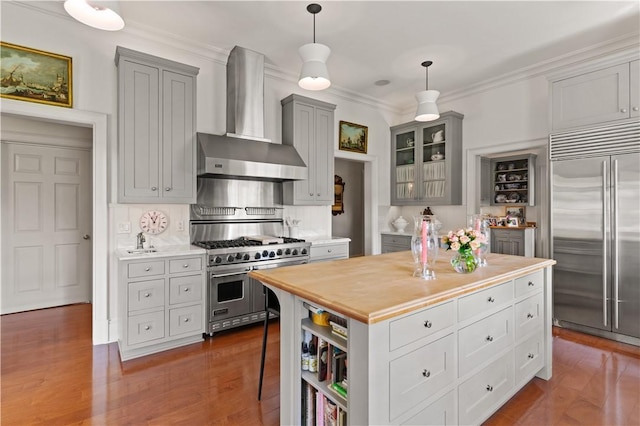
x,y
102,15
427,108
314,74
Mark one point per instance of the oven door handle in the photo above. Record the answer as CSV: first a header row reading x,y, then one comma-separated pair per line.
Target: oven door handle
x,y
230,274
278,265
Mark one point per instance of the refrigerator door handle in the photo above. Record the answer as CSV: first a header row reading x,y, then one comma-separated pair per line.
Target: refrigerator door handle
x,y
616,246
605,219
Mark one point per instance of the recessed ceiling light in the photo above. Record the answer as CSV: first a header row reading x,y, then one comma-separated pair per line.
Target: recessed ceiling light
x,y
381,82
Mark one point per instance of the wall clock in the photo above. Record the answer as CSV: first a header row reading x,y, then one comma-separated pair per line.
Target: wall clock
x,y
154,222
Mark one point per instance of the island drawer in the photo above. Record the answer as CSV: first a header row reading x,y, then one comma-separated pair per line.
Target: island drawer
x,y
416,376
443,412
185,320
146,295
480,341
145,269
529,283
185,289
529,315
485,389
422,324
188,264
485,300
145,327
529,357
329,251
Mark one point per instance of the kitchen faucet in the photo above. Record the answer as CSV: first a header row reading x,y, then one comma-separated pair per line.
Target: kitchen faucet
x,y
140,241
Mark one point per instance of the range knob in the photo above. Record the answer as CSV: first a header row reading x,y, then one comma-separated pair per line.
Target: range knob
x,y
287,252
265,253
279,252
257,256
239,256
295,252
231,258
304,251
218,259
272,254
246,256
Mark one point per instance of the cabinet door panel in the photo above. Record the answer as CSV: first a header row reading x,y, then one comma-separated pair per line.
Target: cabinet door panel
x,y
443,412
146,295
303,139
324,156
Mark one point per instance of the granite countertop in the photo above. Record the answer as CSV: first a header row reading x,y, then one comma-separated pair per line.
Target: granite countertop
x,y
371,289
161,251
323,240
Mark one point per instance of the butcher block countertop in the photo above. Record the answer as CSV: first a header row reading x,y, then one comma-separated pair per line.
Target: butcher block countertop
x,y
371,289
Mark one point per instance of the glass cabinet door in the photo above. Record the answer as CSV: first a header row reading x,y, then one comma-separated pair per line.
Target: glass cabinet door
x,y
405,156
434,140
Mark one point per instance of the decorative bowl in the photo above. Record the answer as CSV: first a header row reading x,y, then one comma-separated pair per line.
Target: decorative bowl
x,y
436,157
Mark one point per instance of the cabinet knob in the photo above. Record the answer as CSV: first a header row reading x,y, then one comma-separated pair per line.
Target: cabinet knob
x,y
147,295
186,265
328,250
531,356
529,316
491,299
530,284
311,194
635,108
426,373
147,327
490,388
153,188
623,110
167,189
489,338
318,194
148,268
186,320
428,324
187,289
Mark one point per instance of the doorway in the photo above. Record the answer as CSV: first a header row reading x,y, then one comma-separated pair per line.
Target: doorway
x,y
350,223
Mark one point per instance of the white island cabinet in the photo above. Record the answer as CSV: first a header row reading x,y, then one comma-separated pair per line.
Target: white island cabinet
x,y
161,300
448,351
328,248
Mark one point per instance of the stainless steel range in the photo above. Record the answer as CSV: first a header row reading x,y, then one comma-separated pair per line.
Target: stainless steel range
x,y
239,239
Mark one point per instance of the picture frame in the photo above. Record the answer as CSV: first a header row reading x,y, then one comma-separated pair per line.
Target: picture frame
x,y
516,211
513,221
353,137
502,221
338,200
33,75
493,221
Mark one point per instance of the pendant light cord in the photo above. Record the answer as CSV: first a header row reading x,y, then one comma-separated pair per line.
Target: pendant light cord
x,y
314,27
427,78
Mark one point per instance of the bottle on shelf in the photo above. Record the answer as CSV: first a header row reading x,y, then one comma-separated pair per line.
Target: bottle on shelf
x,y
305,356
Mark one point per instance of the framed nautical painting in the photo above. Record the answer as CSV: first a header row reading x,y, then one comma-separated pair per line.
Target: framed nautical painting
x,y
353,137
33,75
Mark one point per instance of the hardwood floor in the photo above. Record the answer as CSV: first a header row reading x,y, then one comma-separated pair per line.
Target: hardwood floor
x,y
51,374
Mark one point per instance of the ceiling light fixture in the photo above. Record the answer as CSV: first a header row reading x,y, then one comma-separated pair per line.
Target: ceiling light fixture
x,y
314,74
427,108
102,15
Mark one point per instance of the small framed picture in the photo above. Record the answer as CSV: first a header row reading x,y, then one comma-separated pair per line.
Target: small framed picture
x,y
518,212
493,221
502,221
513,221
353,137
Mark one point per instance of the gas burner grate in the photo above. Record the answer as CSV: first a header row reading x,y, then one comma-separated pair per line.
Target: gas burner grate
x,y
288,240
218,244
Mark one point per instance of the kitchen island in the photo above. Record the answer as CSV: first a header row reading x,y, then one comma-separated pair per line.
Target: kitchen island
x,y
448,351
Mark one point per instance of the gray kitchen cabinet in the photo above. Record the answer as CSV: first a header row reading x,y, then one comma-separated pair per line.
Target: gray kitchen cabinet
x,y
516,242
161,304
596,97
307,124
394,242
512,180
156,129
325,251
426,162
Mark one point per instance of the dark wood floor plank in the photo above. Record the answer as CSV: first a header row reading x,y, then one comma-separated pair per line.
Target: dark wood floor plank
x,y
51,374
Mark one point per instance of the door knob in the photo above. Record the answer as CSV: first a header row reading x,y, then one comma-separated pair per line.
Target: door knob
x,y
86,237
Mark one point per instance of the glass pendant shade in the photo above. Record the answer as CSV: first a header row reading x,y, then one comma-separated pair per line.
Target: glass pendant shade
x,y
427,108
97,14
314,74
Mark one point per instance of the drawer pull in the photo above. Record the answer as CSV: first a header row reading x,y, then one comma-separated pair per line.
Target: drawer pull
x,y
529,316
186,265
530,284
186,320
490,388
328,250
147,327
148,268
491,299
147,295
186,289
426,373
489,338
623,110
428,324
167,188
531,356
153,188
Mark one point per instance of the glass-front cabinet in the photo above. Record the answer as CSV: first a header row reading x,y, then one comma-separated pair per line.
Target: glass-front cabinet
x,y
426,162
513,180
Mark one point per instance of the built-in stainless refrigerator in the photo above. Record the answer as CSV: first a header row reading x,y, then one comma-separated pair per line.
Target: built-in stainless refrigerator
x,y
595,227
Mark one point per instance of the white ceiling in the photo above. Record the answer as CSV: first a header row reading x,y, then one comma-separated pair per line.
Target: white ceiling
x,y
468,41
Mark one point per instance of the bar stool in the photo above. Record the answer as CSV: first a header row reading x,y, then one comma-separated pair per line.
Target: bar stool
x,y
271,306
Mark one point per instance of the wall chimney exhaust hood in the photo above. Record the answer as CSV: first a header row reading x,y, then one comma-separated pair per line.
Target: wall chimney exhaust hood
x,y
243,152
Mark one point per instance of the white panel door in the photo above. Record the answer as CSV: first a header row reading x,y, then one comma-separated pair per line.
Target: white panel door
x,y
46,226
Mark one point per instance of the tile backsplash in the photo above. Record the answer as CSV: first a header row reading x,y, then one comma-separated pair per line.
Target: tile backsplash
x,y
126,221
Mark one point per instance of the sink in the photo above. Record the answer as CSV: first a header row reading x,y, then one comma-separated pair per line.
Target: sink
x,y
142,251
